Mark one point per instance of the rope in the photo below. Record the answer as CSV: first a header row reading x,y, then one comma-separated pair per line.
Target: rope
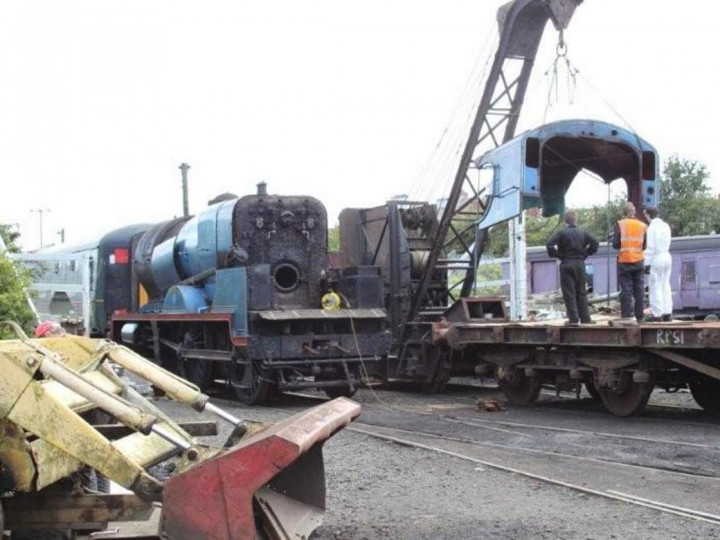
x,y
435,173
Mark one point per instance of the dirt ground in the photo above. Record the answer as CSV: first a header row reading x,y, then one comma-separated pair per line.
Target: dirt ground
x,y
382,489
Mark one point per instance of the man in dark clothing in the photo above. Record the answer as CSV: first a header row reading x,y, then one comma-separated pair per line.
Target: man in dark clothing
x,y
629,236
572,245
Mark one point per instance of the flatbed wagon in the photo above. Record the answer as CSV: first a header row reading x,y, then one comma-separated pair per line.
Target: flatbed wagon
x,y
620,365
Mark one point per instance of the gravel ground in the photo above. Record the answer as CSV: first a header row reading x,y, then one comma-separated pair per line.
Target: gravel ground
x,y
379,489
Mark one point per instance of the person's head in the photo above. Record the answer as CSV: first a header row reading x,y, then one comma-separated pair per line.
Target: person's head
x,y
571,217
652,212
628,210
49,329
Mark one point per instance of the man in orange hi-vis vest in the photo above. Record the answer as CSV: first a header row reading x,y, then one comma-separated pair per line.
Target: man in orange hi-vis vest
x,y
629,237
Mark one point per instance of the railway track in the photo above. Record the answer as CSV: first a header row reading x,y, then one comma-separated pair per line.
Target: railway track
x,y
618,481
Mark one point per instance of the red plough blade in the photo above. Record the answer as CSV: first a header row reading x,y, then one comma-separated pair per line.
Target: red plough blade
x,y
280,467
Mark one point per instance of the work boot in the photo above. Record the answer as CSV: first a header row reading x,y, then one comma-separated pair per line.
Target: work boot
x,y
667,317
588,322
652,318
572,323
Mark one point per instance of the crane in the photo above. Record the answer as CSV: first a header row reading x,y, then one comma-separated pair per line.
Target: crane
x,y
408,238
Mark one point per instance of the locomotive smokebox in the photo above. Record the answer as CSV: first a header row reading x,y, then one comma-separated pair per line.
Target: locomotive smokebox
x,y
290,235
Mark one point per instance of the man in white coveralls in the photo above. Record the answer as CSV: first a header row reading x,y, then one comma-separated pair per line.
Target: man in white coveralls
x,y
658,263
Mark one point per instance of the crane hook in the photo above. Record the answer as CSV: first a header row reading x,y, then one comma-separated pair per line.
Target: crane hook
x,y
561,48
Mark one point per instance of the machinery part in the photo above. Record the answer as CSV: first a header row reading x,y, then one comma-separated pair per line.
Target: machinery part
x,y
168,382
340,391
277,473
438,382
290,502
592,389
629,399
521,390
436,357
706,393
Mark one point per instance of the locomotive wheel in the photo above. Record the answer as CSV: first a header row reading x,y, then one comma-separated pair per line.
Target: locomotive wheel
x,y
521,391
630,401
706,393
248,383
199,372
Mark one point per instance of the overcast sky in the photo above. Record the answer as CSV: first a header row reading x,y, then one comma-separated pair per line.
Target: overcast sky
x,y
345,101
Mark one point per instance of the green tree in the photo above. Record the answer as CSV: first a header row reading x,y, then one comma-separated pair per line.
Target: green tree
x,y
14,280
10,238
334,238
685,199
596,220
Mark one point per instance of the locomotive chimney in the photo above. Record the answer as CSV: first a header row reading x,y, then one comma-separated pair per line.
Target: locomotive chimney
x,y
186,204
262,188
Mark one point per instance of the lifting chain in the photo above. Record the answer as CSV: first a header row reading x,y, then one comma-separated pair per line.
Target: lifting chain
x,y
561,60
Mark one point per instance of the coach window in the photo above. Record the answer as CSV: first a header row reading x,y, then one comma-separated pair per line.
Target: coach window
x,y
714,271
73,266
688,272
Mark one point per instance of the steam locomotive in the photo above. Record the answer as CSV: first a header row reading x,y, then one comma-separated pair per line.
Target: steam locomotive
x,y
242,292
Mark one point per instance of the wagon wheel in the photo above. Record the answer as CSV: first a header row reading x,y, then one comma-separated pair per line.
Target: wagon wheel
x,y
248,382
706,393
631,400
199,372
521,390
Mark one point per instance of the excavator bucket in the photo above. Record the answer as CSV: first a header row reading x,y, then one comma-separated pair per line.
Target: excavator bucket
x,y
273,480
268,481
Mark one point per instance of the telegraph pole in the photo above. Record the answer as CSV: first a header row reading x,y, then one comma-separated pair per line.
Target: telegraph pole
x,y
40,212
61,232
186,205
